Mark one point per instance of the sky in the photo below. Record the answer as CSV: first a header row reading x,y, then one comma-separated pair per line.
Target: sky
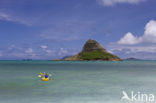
x,y
51,29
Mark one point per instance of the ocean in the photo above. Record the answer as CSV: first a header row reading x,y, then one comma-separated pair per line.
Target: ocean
x,y
75,81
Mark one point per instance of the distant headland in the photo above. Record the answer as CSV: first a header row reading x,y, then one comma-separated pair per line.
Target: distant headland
x,y
92,51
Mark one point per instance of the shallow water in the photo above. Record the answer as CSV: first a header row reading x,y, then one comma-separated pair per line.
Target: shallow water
x,y
74,82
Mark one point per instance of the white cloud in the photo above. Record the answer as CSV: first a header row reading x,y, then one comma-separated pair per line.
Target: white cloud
x,y
129,38
30,53
149,35
63,52
147,51
29,50
5,17
135,49
14,48
12,18
150,32
43,46
16,52
49,51
113,2
150,28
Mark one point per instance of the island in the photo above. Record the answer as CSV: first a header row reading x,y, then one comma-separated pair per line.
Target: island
x,y
92,51
133,59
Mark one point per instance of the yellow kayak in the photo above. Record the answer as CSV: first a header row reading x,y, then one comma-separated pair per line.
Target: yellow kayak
x,y
45,79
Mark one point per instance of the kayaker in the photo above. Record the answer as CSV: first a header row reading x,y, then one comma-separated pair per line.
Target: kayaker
x,y
46,75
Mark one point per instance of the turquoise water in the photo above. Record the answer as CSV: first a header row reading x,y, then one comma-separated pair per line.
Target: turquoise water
x,y
74,82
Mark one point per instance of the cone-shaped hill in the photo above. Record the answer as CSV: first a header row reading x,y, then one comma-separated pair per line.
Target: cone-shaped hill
x,y
92,50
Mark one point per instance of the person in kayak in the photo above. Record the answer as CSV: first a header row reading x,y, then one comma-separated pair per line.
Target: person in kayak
x,y
46,75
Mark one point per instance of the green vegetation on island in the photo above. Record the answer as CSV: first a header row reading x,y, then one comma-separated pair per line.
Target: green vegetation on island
x,y
97,55
93,51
